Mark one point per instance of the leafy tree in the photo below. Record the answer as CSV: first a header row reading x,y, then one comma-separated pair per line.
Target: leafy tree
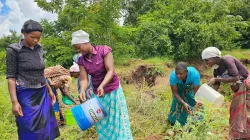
x,y
173,28
7,40
4,42
98,18
241,8
55,6
136,8
153,40
182,29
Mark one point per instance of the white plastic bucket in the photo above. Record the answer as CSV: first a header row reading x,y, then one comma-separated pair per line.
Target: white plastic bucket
x,y
210,95
89,113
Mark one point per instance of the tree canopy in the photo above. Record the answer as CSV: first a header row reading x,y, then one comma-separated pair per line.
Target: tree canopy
x,y
163,28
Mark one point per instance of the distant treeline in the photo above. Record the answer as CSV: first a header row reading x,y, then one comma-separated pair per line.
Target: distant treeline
x,y
179,29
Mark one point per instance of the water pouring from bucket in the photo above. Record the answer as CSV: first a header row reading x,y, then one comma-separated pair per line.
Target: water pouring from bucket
x,y
89,113
209,94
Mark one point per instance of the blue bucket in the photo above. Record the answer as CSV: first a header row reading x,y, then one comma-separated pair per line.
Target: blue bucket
x,y
89,113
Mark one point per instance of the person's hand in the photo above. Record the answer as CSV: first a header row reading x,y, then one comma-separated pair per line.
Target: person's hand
x,y
187,108
100,91
17,109
198,105
75,102
82,96
53,98
211,81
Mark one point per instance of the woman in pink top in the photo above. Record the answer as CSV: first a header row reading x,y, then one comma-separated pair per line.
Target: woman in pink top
x,y
98,62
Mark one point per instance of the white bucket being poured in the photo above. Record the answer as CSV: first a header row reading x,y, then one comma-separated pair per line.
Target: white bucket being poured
x,y
210,95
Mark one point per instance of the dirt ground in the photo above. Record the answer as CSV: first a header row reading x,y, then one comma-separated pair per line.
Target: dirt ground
x,y
154,137
143,74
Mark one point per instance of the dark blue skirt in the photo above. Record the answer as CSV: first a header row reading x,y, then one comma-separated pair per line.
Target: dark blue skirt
x,y
38,121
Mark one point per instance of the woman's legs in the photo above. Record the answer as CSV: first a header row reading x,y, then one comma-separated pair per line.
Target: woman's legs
x,y
117,125
239,122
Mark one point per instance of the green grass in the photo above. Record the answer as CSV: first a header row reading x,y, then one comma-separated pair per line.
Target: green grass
x,y
158,60
8,130
148,109
239,53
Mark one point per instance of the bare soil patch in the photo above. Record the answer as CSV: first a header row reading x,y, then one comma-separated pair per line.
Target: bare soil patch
x,y
144,74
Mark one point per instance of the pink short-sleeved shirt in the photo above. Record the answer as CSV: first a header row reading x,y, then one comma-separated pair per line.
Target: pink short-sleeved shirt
x,y
96,68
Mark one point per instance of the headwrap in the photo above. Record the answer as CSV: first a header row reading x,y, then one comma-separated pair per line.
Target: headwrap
x,y
210,52
79,37
31,26
74,68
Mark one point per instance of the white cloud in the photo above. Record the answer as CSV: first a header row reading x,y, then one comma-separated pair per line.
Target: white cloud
x,y
20,11
13,5
1,6
4,28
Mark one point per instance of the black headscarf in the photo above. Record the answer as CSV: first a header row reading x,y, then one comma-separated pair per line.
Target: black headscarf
x,y
31,26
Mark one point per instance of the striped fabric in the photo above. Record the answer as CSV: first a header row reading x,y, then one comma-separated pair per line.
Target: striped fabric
x,y
116,126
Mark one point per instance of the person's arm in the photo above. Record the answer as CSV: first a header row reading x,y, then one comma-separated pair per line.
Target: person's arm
x,y
177,96
196,89
109,65
51,83
232,69
65,92
16,107
216,86
11,74
83,83
51,94
224,80
198,103
196,81
212,83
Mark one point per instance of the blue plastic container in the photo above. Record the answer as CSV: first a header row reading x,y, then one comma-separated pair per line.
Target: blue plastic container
x,y
88,113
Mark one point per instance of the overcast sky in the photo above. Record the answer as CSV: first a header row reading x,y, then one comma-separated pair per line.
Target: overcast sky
x,y
13,13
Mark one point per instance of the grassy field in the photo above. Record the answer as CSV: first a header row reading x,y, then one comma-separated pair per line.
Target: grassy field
x,y
148,109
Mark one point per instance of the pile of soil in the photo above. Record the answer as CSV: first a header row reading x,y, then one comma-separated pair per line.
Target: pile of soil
x,y
154,137
143,75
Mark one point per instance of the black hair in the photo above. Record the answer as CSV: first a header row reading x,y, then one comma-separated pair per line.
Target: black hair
x,y
181,66
31,26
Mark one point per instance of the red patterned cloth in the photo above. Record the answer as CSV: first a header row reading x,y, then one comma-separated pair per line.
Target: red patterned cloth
x,y
239,109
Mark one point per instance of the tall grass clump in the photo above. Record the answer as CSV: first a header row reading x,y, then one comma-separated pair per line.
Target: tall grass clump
x,y
147,111
8,130
213,126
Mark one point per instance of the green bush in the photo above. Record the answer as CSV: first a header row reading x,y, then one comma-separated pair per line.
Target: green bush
x,y
123,52
183,29
3,62
152,40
